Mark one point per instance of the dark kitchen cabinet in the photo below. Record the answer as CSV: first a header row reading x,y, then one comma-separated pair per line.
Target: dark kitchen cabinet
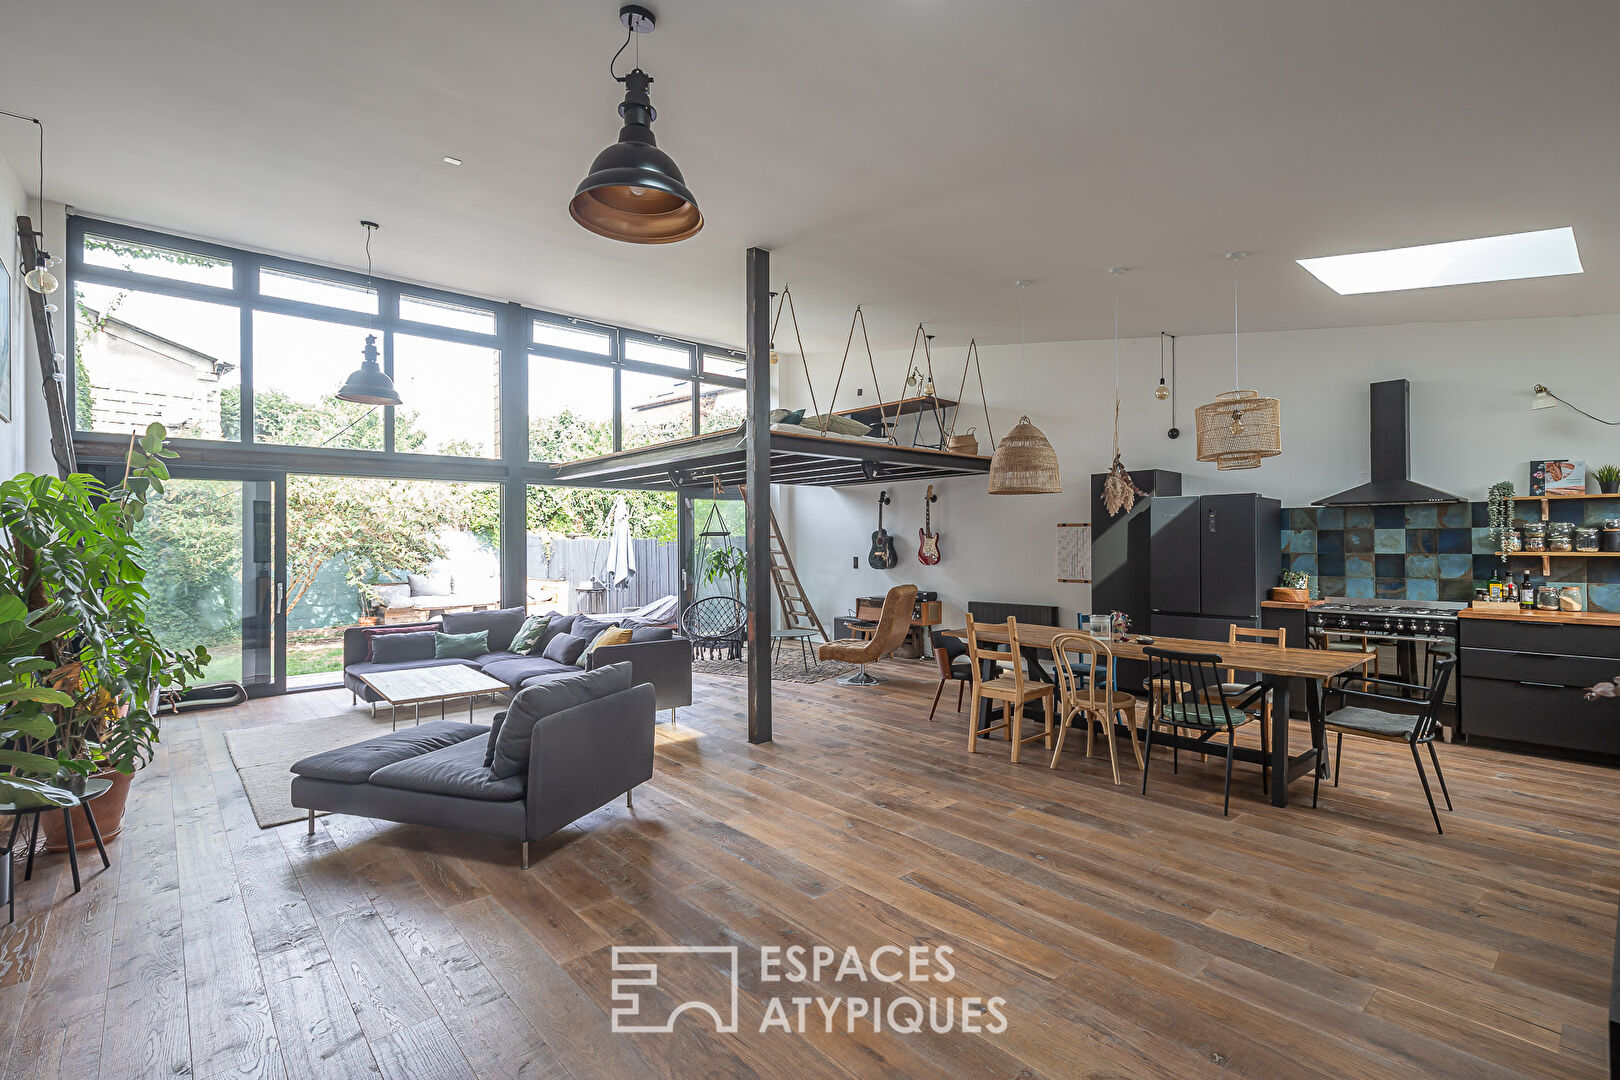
x,y
1524,684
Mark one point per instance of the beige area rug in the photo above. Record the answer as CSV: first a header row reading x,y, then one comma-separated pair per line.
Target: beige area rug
x,y
789,666
263,756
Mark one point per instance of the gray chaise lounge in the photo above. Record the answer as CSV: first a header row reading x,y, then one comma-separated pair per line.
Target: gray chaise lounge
x,y
566,747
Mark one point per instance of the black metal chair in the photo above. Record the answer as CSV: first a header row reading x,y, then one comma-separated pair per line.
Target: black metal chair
x,y
1207,706
1413,729
715,623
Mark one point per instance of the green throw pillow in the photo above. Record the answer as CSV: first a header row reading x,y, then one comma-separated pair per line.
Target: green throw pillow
x,y
794,417
530,633
460,646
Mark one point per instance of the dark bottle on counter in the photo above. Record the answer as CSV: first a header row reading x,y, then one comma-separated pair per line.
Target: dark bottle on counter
x,y
1527,594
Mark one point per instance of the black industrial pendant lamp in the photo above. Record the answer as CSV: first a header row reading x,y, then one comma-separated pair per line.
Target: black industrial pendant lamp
x,y
635,192
369,385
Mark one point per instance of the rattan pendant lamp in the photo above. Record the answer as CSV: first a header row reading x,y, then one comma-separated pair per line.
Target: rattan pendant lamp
x,y
1024,462
1239,428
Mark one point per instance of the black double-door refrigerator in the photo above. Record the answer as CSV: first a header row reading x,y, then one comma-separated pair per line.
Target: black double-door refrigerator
x,y
1215,558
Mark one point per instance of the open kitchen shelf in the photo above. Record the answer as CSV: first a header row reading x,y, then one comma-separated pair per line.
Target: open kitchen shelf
x,y
1546,557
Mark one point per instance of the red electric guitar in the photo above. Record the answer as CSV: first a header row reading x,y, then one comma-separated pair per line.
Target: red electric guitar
x,y
928,547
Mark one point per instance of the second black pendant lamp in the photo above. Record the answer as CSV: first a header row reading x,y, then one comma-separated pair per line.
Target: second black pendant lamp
x,y
369,384
635,191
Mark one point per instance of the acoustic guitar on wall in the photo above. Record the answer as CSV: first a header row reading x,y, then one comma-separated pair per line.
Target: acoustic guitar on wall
x,y
883,555
928,539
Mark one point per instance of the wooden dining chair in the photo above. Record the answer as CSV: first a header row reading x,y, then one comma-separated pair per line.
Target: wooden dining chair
x,y
1093,698
1014,693
1236,635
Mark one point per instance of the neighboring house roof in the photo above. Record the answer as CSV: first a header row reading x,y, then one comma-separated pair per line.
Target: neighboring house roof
x,y
156,343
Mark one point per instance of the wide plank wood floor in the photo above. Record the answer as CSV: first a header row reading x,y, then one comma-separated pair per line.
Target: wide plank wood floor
x,y
1131,936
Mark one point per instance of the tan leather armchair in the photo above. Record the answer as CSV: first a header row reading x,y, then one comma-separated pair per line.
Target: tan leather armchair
x,y
893,625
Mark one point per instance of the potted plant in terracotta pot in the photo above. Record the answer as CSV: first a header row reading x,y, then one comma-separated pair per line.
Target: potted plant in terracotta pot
x,y
71,560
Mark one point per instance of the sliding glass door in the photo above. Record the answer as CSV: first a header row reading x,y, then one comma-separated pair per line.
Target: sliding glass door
x,y
215,562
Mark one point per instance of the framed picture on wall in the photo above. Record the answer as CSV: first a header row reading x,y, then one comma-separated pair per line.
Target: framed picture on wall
x,y
1074,552
5,343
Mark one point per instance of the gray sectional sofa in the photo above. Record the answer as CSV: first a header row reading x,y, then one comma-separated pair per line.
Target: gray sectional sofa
x,y
660,657
564,748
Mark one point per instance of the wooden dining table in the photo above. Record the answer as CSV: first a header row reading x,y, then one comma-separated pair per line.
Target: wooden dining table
x,y
1274,665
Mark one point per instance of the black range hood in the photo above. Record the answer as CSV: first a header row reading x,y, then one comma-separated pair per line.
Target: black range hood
x,y
1391,456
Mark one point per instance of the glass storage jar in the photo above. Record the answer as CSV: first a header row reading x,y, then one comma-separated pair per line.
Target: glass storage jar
x,y
1535,536
1560,536
1570,598
1586,538
1547,598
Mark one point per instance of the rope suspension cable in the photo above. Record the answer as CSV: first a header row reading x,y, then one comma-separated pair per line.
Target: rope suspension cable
x,y
849,343
787,303
973,362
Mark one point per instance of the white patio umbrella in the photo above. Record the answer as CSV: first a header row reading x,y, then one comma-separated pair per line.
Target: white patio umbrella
x,y
621,556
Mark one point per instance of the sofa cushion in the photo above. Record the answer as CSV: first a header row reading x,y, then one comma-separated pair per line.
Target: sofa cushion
x,y
461,646
565,648
392,596
502,625
370,668
587,627
372,633
439,584
457,771
529,634
515,670
398,648
494,734
354,764
640,634
559,624
539,700
613,635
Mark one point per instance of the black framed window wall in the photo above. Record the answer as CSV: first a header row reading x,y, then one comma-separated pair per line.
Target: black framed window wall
x,y
240,353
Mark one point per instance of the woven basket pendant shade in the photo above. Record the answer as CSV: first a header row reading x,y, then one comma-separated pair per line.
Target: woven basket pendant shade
x,y
1238,429
1024,463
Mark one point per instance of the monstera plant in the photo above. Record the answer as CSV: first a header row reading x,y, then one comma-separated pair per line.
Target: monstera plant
x,y
82,666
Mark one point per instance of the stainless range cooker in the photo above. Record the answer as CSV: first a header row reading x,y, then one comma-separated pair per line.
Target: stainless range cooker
x,y
1405,624
1430,620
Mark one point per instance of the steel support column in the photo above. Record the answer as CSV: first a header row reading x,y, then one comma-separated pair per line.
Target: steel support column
x,y
758,495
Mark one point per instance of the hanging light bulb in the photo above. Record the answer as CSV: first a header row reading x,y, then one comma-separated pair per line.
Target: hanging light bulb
x,y
1162,392
1024,463
1239,428
41,280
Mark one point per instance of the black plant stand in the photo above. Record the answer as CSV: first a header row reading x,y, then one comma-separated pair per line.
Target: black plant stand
x,y
94,789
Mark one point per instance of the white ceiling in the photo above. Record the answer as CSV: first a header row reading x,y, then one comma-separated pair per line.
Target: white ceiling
x,y
912,155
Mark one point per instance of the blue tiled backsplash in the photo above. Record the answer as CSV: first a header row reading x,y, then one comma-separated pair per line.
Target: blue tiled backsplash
x,y
1439,552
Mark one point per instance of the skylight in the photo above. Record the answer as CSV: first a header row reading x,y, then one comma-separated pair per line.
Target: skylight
x,y
1547,253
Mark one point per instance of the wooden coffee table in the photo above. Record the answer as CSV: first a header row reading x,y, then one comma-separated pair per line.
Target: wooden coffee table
x,y
423,686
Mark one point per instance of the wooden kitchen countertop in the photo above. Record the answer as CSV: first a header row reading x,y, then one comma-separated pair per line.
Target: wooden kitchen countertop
x,y
1576,618
1295,605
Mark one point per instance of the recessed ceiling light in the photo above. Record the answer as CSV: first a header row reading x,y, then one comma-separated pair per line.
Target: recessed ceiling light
x,y
1547,253
448,160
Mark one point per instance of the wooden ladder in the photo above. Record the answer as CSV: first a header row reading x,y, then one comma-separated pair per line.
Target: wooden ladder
x,y
797,614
